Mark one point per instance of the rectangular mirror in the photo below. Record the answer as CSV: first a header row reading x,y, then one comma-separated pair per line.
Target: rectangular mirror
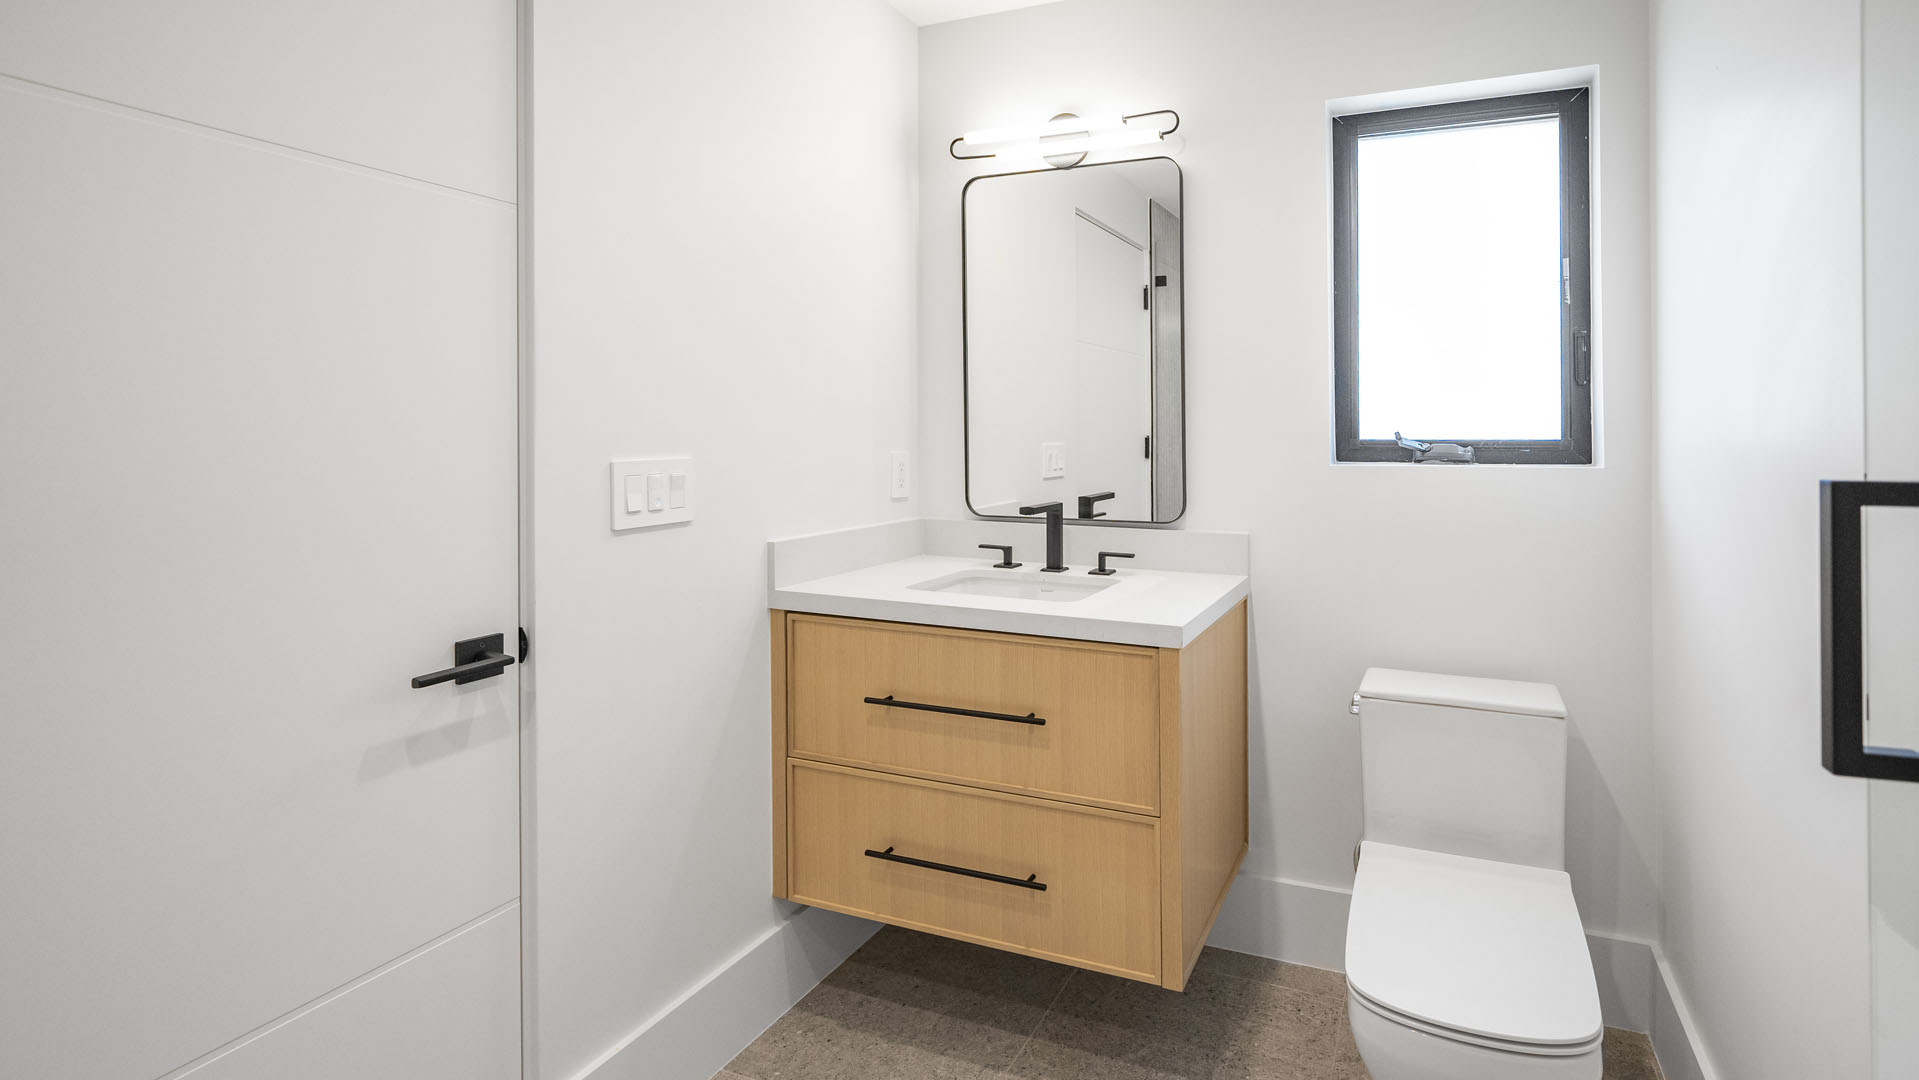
x,y
1074,349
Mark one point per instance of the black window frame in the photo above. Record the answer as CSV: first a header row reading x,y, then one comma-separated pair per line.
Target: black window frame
x,y
1572,107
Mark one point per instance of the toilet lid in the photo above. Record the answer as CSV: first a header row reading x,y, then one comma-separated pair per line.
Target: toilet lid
x,y
1484,948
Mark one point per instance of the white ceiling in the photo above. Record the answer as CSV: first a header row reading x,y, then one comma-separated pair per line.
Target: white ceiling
x,y
928,12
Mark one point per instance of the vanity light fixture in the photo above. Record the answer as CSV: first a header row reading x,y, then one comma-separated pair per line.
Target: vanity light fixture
x,y
1065,140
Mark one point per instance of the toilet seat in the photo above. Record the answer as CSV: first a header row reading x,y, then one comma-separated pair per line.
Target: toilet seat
x,y
1482,952
1455,1035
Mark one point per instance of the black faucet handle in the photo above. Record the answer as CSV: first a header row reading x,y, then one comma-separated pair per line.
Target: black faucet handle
x,y
1105,555
1086,502
1006,555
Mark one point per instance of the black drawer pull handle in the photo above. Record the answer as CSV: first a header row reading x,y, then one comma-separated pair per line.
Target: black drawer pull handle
x,y
893,703
1028,882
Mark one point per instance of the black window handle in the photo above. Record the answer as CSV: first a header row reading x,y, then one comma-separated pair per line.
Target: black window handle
x,y
1030,881
892,702
473,659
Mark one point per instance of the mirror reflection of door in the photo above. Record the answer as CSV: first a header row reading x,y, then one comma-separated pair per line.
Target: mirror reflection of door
x,y
1890,535
1073,341
1113,379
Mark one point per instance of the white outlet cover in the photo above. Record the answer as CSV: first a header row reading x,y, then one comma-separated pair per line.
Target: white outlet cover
x,y
1052,460
899,475
675,473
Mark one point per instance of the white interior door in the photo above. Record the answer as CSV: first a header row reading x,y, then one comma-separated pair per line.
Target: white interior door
x,y
1113,384
258,419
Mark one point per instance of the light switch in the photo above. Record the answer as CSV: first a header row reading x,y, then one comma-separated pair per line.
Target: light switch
x,y
651,492
1052,460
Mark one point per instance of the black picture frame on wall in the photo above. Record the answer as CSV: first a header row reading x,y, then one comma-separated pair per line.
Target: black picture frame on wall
x,y
1842,630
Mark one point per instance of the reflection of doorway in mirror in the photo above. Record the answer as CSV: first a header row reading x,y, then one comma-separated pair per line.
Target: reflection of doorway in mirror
x,y
1113,358
1890,535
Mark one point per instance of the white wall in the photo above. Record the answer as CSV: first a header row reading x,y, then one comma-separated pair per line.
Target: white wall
x,y
1529,573
1758,204
723,255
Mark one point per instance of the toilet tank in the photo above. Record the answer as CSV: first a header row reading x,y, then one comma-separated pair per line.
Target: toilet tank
x,y
1466,766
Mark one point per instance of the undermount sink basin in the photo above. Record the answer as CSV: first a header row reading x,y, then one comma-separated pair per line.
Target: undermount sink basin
x,y
1052,587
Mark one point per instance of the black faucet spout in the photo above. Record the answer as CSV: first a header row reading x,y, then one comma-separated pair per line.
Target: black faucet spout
x,y
1055,535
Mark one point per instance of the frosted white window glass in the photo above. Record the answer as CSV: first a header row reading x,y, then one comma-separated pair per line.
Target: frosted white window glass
x,y
1459,283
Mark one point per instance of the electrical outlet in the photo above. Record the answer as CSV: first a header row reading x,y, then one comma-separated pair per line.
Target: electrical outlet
x,y
899,483
1052,460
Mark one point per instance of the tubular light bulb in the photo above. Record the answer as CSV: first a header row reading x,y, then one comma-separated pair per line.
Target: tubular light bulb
x,y
1072,125
1086,144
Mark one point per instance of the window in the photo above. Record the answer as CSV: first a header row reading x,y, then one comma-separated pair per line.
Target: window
x,y
1461,296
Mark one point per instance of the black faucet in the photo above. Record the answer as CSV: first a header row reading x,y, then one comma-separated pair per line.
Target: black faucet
x,y
1055,535
1086,504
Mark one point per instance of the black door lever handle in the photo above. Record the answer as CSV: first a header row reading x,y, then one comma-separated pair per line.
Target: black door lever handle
x,y
473,659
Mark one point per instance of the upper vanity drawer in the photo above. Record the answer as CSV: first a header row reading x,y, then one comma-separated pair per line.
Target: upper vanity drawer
x,y
1068,720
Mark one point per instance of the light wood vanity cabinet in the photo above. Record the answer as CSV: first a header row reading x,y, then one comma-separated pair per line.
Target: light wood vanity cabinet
x,y
1079,801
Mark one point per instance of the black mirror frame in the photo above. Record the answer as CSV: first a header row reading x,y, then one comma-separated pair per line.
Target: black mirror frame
x,y
1842,630
966,348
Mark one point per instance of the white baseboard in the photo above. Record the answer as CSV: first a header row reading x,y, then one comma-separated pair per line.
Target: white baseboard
x,y
1295,921
702,1030
1302,922
1625,972
1675,1039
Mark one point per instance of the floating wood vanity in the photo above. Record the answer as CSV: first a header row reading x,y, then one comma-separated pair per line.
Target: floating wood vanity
x,y
1081,801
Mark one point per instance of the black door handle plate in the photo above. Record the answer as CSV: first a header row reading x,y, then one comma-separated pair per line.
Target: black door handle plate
x,y
473,659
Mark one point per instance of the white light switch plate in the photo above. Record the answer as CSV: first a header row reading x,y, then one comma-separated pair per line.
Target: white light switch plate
x,y
652,491
1052,460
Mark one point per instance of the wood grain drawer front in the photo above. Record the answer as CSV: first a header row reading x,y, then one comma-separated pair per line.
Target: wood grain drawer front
x,y
1099,743
1100,869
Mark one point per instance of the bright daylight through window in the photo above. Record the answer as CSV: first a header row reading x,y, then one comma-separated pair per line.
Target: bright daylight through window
x,y
1461,290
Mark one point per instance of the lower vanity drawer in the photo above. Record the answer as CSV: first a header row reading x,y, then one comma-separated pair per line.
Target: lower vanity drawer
x,y
860,843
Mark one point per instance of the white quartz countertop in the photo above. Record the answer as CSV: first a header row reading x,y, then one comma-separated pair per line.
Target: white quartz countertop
x,y
1158,608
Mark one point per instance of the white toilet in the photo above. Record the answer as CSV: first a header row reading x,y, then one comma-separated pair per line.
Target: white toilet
x,y
1465,957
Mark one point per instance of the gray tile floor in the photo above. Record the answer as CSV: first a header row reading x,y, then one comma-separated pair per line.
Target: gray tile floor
x,y
911,1006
